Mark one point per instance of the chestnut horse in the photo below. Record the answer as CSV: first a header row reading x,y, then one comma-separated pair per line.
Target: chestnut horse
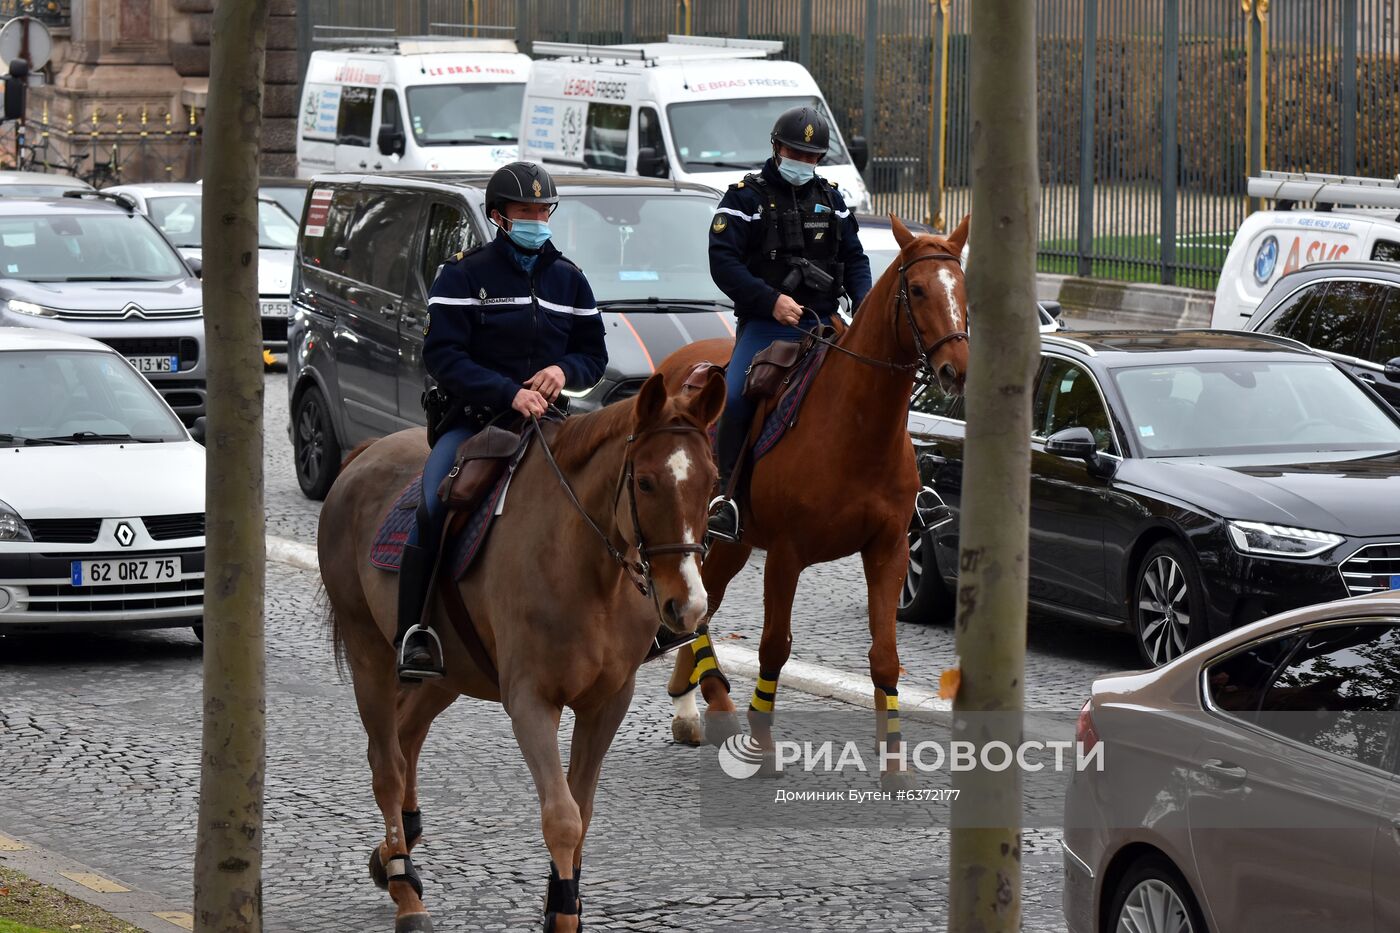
x,y
842,481
555,599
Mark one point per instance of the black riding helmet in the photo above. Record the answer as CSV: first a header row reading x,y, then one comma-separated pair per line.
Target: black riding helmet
x,y
803,129
522,182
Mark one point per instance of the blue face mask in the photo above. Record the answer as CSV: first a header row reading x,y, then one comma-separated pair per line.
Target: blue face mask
x,y
796,173
528,234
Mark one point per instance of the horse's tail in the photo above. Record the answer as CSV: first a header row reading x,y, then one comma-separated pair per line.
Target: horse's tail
x,y
359,449
332,623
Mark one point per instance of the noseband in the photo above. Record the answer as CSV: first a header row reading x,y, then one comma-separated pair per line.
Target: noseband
x,y
638,571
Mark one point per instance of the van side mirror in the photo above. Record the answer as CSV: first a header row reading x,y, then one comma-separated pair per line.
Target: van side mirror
x,y
200,429
196,266
16,89
860,152
652,164
1052,308
392,141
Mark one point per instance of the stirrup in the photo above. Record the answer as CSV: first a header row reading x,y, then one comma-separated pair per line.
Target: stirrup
x,y
666,641
722,507
412,673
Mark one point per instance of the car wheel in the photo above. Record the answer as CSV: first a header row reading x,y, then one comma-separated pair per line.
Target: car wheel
x,y
1154,898
1168,607
924,596
314,444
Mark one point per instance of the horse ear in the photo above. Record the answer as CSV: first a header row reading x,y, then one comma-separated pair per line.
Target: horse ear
x,y
651,401
706,405
902,236
958,238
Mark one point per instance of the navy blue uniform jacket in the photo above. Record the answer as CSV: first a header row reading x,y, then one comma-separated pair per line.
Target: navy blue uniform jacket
x,y
491,327
737,241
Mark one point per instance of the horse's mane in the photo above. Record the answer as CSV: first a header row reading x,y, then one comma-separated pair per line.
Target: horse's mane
x,y
581,436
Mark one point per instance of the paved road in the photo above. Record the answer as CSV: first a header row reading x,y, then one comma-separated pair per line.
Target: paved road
x,y
99,736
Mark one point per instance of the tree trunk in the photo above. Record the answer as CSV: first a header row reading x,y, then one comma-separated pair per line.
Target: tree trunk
x,y
985,875
228,854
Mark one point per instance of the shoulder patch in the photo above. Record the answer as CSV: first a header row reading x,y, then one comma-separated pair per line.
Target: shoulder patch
x,y
833,184
739,185
719,223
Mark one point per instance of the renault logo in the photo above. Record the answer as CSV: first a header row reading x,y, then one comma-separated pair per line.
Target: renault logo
x,y
124,534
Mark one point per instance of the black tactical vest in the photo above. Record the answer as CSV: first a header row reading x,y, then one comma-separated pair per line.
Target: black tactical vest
x,y
793,228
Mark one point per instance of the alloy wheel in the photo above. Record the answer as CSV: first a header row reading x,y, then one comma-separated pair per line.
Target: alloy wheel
x,y
915,575
311,432
1164,610
1154,907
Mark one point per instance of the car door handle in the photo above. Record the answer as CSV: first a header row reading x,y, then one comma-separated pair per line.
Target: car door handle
x,y
341,252
364,165
378,166
1224,772
387,311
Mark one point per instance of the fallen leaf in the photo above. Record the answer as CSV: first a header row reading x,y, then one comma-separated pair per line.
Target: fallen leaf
x,y
948,683
735,635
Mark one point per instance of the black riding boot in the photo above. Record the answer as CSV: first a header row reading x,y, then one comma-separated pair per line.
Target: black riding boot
x,y
724,511
419,651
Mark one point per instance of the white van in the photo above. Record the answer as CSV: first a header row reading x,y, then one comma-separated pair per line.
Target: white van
x,y
1357,220
403,104
690,108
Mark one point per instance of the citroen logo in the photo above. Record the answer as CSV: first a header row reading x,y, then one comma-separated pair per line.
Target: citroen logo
x,y
124,534
133,308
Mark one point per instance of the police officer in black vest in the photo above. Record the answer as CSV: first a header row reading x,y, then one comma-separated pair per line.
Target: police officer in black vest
x,y
783,247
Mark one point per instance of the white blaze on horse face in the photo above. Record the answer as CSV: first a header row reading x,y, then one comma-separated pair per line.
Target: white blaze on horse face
x,y
679,462
951,293
697,601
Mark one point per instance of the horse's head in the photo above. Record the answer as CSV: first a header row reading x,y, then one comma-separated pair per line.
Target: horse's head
x,y
671,475
934,301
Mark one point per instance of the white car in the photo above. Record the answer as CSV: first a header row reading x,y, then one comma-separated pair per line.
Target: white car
x,y
177,209
101,493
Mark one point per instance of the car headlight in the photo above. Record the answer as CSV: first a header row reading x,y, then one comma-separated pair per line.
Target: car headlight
x,y
29,307
1280,540
12,527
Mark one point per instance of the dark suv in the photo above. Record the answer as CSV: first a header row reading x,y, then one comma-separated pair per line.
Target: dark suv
x,y
371,245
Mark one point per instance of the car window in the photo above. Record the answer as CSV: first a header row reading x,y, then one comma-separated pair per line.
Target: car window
x,y
1333,688
1386,251
1343,322
1294,318
1387,345
649,137
380,237
293,200
326,227
934,401
94,247
179,217
605,137
1067,397
446,234
59,393
390,117
356,117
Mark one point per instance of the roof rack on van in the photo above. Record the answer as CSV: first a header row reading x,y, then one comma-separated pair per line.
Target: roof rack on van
x,y
374,39
675,48
1318,188
117,198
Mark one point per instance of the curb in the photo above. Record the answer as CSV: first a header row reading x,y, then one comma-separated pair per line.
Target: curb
x,y
815,679
144,910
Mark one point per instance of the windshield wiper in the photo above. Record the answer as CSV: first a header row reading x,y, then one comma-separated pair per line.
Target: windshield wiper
x,y
639,302
112,278
80,437
32,441
720,164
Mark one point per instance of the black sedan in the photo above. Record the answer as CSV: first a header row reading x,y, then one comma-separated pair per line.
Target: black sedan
x,y
1183,483
1348,311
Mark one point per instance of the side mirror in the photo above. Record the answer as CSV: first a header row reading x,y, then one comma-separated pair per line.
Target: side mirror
x,y
199,429
1392,367
651,164
1052,308
16,89
1079,444
392,141
196,266
860,152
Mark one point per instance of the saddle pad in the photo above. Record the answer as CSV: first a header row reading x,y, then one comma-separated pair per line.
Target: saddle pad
x,y
784,414
386,548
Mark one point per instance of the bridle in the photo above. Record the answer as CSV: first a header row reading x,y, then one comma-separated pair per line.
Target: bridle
x,y
639,570
922,365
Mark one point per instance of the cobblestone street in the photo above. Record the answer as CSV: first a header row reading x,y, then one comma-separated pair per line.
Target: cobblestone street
x,y
99,736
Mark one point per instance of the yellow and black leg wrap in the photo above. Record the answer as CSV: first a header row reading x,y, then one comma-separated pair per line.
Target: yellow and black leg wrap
x,y
706,665
764,693
892,734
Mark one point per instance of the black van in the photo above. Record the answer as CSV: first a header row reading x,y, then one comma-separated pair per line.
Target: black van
x,y
370,246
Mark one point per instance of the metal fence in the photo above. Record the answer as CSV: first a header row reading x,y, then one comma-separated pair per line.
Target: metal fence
x,y
1151,112
105,146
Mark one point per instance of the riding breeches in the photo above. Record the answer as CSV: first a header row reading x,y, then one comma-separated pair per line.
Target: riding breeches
x,y
439,464
754,335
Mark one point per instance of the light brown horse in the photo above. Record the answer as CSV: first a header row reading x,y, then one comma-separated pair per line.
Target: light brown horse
x,y
561,618
842,481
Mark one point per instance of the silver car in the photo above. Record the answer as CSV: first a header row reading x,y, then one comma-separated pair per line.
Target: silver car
x,y
96,267
1249,786
39,184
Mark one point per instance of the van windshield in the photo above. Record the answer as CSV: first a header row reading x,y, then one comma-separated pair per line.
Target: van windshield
x,y
465,114
724,135
639,245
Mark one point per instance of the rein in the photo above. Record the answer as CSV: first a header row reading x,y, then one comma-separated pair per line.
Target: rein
x,y
638,571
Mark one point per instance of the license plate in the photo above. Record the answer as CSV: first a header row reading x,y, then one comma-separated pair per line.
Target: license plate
x,y
276,308
119,572
155,364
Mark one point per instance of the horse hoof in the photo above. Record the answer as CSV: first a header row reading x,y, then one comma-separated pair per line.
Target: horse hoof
x,y
768,767
898,780
720,726
413,923
376,870
689,731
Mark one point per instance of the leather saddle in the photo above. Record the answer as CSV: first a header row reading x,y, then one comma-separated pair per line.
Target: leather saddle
x,y
480,463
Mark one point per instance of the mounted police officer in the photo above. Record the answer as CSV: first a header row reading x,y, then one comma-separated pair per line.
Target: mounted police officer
x,y
783,247
510,325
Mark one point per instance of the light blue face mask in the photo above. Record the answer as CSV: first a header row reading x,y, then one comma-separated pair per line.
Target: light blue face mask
x,y
528,234
796,173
